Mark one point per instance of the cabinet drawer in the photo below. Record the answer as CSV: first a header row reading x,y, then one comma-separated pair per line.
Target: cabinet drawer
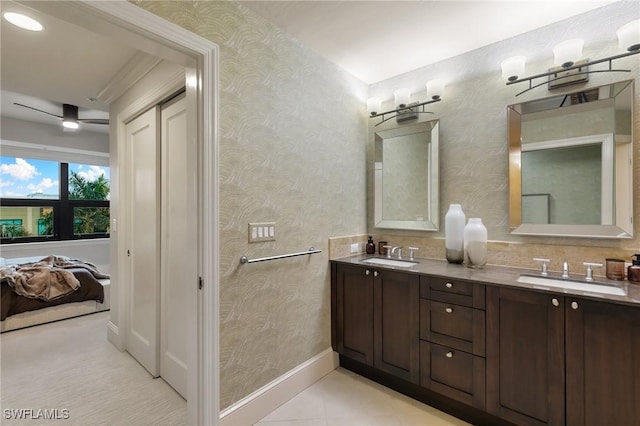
x,y
459,327
453,373
452,291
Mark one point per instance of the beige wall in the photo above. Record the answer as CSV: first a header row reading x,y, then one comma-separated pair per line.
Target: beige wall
x,y
473,147
292,151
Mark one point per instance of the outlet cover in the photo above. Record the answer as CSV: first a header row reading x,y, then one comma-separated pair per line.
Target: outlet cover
x,y
263,231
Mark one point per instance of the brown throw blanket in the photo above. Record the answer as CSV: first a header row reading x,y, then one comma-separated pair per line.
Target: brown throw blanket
x,y
48,279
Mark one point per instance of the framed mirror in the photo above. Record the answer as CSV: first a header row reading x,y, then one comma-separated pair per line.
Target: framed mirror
x,y
406,177
570,164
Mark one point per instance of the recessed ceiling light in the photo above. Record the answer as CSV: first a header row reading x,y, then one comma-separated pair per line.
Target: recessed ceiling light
x,y
23,21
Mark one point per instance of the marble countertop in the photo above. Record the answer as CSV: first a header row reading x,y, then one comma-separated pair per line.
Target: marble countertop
x,y
503,276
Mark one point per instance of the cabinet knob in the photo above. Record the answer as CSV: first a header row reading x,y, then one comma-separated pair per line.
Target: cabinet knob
x,y
450,354
367,272
448,285
375,273
448,310
574,305
555,302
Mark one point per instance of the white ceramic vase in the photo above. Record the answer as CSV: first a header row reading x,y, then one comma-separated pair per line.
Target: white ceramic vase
x,y
454,234
475,243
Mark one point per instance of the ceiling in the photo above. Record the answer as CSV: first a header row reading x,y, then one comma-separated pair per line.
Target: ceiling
x,y
373,40
376,40
63,63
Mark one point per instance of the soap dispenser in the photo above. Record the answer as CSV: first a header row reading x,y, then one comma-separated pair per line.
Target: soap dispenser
x,y
371,247
633,272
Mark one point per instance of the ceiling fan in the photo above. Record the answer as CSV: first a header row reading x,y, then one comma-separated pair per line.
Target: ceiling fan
x,y
69,116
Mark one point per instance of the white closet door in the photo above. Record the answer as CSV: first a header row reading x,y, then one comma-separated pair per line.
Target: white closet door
x,y
179,242
144,247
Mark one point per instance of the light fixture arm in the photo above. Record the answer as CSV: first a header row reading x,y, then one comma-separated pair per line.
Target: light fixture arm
x,y
609,59
403,110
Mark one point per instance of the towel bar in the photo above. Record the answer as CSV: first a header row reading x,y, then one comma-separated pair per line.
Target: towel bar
x,y
245,259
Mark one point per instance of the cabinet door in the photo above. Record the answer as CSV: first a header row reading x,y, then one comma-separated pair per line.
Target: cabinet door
x,y
396,322
354,313
603,363
525,356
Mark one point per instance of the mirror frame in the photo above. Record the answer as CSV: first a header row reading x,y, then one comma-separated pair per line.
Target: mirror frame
x,y
432,221
514,135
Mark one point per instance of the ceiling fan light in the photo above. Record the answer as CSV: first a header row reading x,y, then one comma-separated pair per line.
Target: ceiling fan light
x,y
70,124
23,21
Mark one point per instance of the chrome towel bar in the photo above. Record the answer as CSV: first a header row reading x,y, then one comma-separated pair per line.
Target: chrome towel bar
x,y
245,259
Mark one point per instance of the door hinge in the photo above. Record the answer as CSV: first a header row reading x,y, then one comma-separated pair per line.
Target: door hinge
x,y
199,283
128,253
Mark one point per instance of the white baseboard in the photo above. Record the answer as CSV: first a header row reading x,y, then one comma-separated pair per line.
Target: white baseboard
x,y
113,336
257,405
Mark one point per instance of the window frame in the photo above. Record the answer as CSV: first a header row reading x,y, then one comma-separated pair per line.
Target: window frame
x,y
63,213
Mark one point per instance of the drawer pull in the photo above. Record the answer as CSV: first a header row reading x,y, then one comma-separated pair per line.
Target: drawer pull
x,y
574,305
448,310
450,354
367,272
448,285
375,273
555,302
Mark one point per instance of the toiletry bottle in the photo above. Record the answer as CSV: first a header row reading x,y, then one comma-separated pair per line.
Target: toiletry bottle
x,y
633,272
371,247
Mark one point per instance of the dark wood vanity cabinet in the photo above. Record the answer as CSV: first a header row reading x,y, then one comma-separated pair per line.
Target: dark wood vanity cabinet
x,y
554,360
376,319
452,333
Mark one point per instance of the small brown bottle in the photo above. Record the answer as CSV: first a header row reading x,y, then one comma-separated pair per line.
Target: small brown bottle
x,y
371,247
633,272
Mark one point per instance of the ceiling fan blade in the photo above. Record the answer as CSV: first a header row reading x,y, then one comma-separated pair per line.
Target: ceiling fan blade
x,y
94,120
39,110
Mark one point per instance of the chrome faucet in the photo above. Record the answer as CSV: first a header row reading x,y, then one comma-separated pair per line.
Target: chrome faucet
x,y
399,248
565,269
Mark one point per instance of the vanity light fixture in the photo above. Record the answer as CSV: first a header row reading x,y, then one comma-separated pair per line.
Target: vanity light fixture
x,y
571,68
23,21
406,110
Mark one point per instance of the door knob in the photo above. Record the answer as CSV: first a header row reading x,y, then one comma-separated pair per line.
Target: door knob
x,y
375,274
448,310
574,305
450,354
367,272
555,302
448,285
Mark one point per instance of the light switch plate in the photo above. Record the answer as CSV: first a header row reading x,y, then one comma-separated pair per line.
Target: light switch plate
x,y
262,231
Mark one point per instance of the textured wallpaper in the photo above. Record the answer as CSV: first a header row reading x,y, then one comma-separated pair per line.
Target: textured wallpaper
x,y
473,137
293,136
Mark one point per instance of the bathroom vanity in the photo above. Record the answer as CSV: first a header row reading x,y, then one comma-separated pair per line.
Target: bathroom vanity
x,y
487,348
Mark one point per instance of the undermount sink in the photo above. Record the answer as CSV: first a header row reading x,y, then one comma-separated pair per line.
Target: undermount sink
x,y
546,283
390,262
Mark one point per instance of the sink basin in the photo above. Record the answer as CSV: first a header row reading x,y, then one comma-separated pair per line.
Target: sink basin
x,y
591,287
390,262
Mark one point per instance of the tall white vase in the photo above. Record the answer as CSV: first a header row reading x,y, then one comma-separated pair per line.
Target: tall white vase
x,y
475,243
454,234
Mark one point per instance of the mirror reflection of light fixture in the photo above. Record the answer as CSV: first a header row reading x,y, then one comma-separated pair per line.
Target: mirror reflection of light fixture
x,y
406,110
70,116
572,69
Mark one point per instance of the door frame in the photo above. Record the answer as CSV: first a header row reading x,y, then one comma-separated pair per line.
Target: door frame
x,y
150,33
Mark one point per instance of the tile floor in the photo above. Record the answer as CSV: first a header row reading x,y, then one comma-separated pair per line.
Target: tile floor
x,y
343,398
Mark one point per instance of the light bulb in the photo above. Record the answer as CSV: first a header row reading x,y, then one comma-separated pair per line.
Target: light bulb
x,y
568,52
435,88
513,67
374,106
629,36
402,97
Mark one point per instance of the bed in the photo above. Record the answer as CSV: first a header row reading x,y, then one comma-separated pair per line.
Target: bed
x,y
17,311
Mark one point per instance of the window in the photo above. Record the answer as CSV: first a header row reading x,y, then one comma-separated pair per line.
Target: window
x,y
46,200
